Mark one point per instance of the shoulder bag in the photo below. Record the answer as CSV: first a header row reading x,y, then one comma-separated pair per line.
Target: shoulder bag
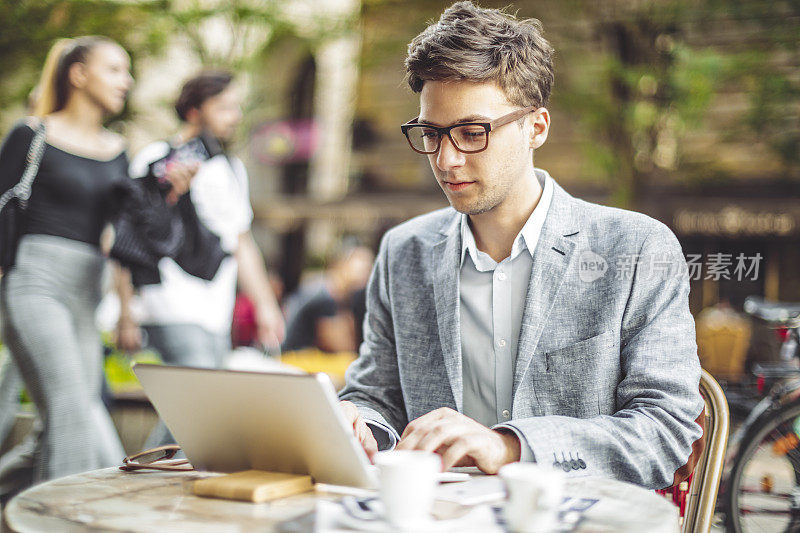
x,y
15,200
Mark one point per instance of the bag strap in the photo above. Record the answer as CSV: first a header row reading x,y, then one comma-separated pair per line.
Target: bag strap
x,y
35,153
22,190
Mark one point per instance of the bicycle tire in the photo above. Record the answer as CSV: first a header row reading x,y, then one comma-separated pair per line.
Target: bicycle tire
x,y
773,424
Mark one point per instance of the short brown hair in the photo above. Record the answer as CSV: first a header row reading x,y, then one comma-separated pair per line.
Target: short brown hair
x,y
200,88
476,44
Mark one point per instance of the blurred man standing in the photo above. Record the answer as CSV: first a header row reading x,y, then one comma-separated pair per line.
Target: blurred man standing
x,y
188,319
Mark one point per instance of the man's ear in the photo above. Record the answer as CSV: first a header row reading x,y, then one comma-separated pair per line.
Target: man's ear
x,y
193,116
540,127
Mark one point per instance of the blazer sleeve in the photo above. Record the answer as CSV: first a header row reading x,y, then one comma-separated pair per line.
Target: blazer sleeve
x,y
651,435
372,380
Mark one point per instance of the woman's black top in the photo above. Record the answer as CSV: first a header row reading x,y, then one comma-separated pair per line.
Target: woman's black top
x,y
75,197
72,196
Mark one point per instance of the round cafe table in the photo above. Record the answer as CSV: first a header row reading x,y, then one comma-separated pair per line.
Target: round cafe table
x,y
113,500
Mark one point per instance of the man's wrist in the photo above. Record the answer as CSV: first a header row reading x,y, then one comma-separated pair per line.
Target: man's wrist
x,y
513,446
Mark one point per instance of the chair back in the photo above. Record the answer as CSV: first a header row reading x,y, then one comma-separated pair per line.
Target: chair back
x,y
702,496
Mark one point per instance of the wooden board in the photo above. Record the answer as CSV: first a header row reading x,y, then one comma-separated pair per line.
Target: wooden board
x,y
253,486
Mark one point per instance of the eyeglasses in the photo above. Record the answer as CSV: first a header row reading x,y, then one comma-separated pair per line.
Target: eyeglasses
x,y
148,460
467,137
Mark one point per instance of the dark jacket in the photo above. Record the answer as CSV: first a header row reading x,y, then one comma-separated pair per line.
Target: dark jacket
x,y
148,228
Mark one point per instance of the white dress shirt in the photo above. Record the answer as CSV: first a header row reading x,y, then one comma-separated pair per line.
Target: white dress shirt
x,y
492,301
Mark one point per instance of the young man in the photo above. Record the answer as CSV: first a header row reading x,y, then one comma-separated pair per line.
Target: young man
x,y
500,330
188,319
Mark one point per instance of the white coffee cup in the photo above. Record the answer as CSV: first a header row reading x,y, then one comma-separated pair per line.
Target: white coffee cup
x,y
535,492
408,482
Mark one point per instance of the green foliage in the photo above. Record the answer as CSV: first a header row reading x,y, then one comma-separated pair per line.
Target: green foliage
x,y
30,27
773,116
145,28
650,79
255,27
694,81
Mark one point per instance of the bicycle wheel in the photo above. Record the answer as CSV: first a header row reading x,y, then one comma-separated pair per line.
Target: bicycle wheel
x,y
763,492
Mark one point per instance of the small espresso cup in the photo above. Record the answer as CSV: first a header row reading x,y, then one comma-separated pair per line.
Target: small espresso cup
x,y
534,494
408,482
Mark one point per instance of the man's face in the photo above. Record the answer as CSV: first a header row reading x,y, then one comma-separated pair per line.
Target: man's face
x,y
221,114
476,183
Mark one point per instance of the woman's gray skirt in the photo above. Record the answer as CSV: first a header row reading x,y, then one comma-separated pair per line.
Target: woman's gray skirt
x,y
48,302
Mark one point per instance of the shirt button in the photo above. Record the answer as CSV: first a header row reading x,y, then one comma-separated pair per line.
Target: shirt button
x,y
501,342
506,414
501,276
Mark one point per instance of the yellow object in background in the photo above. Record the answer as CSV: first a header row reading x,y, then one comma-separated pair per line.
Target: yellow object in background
x,y
312,361
723,337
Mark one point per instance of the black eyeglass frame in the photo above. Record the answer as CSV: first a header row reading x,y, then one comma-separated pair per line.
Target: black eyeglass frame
x,y
488,126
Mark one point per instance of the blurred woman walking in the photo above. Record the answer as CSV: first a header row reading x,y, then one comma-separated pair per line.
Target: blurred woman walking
x,y
49,293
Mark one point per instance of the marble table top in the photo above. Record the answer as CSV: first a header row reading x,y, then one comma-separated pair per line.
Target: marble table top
x,y
112,500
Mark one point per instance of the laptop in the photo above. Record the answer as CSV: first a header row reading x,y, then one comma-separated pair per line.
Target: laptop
x,y
230,420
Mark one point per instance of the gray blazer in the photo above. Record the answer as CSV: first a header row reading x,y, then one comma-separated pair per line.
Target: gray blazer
x,y
606,370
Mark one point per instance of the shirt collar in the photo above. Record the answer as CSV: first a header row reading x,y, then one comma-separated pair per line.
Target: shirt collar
x,y
528,237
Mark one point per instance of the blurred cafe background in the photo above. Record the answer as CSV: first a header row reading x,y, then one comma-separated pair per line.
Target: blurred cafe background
x,y
688,111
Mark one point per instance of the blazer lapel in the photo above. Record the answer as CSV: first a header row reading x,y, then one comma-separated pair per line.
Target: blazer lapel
x,y
445,256
551,261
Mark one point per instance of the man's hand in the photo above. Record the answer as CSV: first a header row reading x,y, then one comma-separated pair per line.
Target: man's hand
x,y
360,428
460,440
254,283
129,335
180,177
271,327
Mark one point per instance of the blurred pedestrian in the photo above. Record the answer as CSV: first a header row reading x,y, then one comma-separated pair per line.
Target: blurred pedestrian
x,y
188,319
322,314
10,380
50,290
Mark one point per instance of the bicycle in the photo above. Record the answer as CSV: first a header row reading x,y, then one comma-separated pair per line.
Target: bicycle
x,y
762,490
